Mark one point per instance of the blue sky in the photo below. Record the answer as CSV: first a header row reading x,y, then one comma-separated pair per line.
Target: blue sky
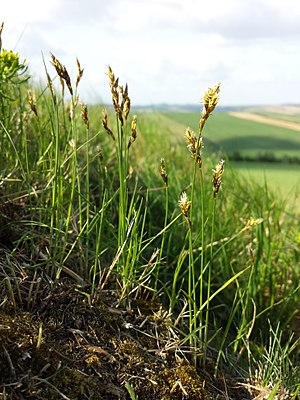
x,y
166,50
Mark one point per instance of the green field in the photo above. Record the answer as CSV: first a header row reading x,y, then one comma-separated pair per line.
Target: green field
x,y
231,135
283,179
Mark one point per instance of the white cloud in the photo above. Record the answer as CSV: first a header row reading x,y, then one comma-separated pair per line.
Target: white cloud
x,y
167,50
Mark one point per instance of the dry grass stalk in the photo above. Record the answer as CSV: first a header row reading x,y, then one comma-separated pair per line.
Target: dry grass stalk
x,y
217,178
32,103
104,124
163,172
79,73
185,206
210,100
194,146
132,138
62,72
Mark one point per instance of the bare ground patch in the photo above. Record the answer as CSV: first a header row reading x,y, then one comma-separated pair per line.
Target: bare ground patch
x,y
266,120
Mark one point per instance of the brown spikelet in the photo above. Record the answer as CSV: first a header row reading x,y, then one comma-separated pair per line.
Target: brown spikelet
x,y
217,178
32,103
194,146
84,115
120,98
79,73
62,72
113,83
210,100
104,124
185,206
126,108
163,172
132,138
252,222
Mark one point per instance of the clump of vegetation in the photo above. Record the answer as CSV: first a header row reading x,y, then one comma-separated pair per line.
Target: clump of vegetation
x,y
126,270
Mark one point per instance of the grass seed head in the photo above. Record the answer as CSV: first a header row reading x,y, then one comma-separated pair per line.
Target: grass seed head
x,y
79,73
62,72
163,172
84,115
217,178
194,146
252,222
126,108
132,138
32,103
120,98
114,83
104,124
210,100
185,206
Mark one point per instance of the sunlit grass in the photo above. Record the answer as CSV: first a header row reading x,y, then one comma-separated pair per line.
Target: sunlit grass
x,y
105,210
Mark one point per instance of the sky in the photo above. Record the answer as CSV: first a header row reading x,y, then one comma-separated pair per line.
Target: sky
x,y
168,51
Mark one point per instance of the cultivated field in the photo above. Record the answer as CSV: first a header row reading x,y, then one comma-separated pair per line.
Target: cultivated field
x,y
274,151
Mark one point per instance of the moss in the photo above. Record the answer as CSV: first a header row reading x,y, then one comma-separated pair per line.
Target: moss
x,y
92,350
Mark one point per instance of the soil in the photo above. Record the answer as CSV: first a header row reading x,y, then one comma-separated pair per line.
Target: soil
x,y
58,342
62,340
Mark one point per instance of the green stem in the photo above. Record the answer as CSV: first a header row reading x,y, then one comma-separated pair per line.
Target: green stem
x,y
209,279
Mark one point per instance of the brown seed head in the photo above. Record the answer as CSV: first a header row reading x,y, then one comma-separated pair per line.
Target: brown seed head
x,y
111,76
252,222
210,100
32,103
62,72
194,145
84,115
217,178
79,73
120,99
104,124
126,107
185,206
132,138
163,172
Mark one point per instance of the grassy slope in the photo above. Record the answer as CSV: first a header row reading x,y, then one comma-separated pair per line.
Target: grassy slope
x,y
74,219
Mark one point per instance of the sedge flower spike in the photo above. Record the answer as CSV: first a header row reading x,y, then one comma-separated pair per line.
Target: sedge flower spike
x,y
217,178
185,206
210,100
